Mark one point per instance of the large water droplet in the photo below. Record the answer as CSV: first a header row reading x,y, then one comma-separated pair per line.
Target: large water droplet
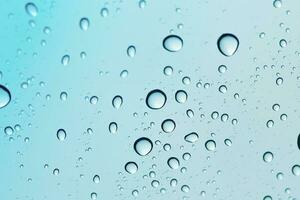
x,y
131,167
172,43
84,24
117,102
173,163
31,9
192,137
143,146
228,44
156,99
61,134
168,125
5,96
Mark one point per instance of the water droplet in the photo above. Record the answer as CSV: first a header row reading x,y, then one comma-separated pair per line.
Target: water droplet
x,y
55,171
210,145
168,125
168,70
94,100
8,130
191,137
131,51
117,102
113,127
156,99
104,12
63,96
296,170
186,156
5,96
143,146
268,156
31,9
228,44
61,134
172,43
282,43
93,195
267,198
277,3
131,167
276,107
65,60
279,81
228,142
223,89
96,179
298,142
222,69
142,3
173,163
124,74
283,117
173,182
270,123
181,96
84,24
185,188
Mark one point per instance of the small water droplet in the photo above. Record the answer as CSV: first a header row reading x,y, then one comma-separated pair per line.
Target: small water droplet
x,y
168,70
228,44
210,145
84,24
143,146
104,12
63,96
296,170
31,9
117,102
156,99
131,167
173,163
270,123
181,96
8,130
191,137
61,134
131,51
277,3
96,179
113,127
282,43
168,125
172,43
268,156
65,60
5,96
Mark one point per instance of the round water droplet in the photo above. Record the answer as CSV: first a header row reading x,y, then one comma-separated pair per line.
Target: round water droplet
x,y
185,188
93,195
222,69
94,100
168,70
173,163
268,156
296,170
104,12
282,43
210,145
143,146
8,130
117,102
270,123
113,127
168,125
279,81
223,89
131,167
84,24
172,43
31,9
96,179
277,3
228,142
228,44
61,134
267,197
181,96
191,138
63,96
131,51
5,96
56,171
156,99
65,60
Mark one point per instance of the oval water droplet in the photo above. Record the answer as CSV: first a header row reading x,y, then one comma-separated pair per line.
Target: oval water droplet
x,y
61,134
156,99
113,127
210,145
298,141
117,102
31,9
181,96
228,44
296,170
268,156
131,167
65,60
96,179
192,137
143,146
131,51
173,163
5,96
84,24
172,43
168,125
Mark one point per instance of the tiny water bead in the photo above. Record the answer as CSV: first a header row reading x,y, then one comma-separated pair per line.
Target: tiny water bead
x,y
223,89
131,51
113,127
56,171
296,170
94,195
210,145
63,96
143,146
222,69
173,43
191,137
181,96
168,125
84,24
156,99
131,167
270,123
94,100
96,179
268,156
104,12
65,60
228,44
8,130
168,70
282,43
277,3
5,96
61,134
117,102
31,9
173,163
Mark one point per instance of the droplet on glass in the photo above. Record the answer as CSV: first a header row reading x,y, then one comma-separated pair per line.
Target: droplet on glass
x,y
117,102
61,134
84,24
173,163
131,51
168,125
143,146
65,60
268,156
181,96
172,43
210,145
5,96
31,9
113,127
296,170
228,44
131,167
191,137
156,99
